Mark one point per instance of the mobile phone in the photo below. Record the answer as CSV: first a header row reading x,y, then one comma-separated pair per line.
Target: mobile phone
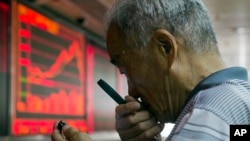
x,y
111,92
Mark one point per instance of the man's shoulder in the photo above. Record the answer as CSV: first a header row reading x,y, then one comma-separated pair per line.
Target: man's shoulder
x,y
226,92
229,100
212,110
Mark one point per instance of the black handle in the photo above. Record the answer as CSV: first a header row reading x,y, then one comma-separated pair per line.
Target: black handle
x,y
110,91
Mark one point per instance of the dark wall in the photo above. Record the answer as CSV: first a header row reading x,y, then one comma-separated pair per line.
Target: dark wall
x,y
4,15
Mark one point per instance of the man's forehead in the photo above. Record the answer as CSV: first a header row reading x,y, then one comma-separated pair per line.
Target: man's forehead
x,y
114,29
115,39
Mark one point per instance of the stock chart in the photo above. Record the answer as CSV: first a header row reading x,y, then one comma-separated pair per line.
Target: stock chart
x,y
50,70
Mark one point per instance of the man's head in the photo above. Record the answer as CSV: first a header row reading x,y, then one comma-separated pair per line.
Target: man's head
x,y
155,43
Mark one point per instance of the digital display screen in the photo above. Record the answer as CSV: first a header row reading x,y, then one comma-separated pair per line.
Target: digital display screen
x,y
49,75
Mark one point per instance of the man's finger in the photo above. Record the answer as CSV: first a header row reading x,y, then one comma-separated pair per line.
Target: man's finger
x,y
137,129
130,99
56,135
126,109
69,132
133,119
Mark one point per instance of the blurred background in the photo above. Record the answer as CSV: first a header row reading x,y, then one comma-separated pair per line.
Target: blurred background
x,y
52,53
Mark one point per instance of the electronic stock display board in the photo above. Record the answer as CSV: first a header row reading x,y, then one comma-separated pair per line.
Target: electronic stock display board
x,y
48,74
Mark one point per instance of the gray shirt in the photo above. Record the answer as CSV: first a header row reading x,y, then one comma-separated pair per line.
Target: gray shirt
x,y
217,102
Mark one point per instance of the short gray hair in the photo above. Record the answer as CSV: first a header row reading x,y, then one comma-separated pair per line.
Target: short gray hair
x,y
184,19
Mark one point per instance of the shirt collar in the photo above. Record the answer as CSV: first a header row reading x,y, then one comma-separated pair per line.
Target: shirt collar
x,y
219,77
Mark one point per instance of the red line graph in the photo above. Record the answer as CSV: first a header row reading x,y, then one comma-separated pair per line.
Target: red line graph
x,y
64,73
53,104
63,59
52,83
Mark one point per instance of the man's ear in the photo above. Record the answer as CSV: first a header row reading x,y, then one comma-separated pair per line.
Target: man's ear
x,y
166,42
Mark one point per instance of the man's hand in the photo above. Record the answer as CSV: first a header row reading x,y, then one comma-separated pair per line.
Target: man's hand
x,y
69,133
133,123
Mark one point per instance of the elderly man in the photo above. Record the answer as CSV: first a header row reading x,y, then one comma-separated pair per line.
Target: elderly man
x,y
168,51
